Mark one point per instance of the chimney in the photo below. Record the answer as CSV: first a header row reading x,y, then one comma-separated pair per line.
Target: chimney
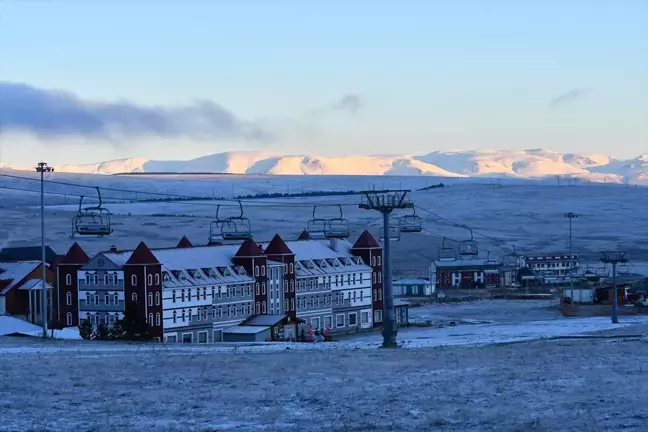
x,y
333,244
113,248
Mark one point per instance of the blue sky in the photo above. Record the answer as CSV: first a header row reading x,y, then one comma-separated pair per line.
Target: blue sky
x,y
426,75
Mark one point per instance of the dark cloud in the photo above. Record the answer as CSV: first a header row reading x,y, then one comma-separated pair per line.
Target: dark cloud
x,y
349,102
57,114
568,97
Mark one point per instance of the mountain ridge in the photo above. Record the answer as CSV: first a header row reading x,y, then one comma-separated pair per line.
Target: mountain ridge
x,y
531,163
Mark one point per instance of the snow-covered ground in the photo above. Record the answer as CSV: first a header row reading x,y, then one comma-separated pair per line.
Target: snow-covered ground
x,y
527,214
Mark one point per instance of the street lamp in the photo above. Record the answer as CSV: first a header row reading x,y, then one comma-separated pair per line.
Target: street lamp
x,y
42,168
614,258
571,216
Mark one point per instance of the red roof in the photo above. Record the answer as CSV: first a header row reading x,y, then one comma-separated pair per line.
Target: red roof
x,y
142,255
184,243
305,235
75,255
366,241
249,249
278,247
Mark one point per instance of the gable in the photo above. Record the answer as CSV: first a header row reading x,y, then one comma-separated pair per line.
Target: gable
x,y
101,262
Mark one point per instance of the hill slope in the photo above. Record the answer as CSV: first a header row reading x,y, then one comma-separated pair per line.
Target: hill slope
x,y
533,163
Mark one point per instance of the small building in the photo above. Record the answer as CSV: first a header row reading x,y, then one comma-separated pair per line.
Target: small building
x,y
465,273
552,267
281,326
21,289
243,333
580,295
401,310
412,288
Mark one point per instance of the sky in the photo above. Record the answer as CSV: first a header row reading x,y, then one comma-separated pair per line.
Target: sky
x,y
83,82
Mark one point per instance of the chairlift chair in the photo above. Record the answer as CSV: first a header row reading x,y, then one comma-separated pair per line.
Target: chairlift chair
x,y
511,260
469,247
236,227
91,221
216,228
489,260
336,228
446,253
393,234
316,227
410,223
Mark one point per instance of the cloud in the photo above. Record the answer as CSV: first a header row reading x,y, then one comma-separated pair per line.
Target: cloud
x,y
349,102
56,114
568,97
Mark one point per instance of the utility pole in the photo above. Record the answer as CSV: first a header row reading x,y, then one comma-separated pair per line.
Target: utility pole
x,y
571,216
42,168
386,202
614,258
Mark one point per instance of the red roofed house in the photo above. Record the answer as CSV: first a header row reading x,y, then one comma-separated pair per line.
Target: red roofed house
x,y
367,248
21,288
68,285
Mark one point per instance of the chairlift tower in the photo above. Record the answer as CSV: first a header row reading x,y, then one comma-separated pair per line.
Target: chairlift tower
x,y
43,168
614,258
571,216
385,202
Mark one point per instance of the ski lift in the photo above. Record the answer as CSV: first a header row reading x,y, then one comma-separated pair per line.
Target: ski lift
x,y
489,260
447,253
235,227
410,223
216,228
393,234
317,227
91,221
469,247
336,227
511,260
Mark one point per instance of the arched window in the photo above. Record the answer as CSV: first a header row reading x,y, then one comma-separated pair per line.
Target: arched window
x,y
105,278
150,279
150,319
183,315
157,278
189,294
96,299
116,298
292,286
150,298
263,288
375,295
182,295
229,311
87,279
189,314
286,304
292,269
258,290
233,310
115,279
379,277
157,299
68,279
69,318
198,317
205,293
262,270
263,307
292,304
258,307
213,293
134,280
213,312
173,296
134,297
220,312
68,298
354,296
205,313
96,279
379,260
175,316
373,261
374,277
256,271
157,319
379,294
361,295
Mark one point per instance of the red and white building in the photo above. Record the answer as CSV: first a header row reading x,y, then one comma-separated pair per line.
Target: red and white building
x,y
197,293
464,273
21,289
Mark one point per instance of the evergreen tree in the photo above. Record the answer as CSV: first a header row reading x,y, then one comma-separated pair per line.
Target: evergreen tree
x,y
101,332
85,329
134,323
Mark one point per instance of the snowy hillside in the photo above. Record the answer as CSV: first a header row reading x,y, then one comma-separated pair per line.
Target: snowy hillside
x,y
533,163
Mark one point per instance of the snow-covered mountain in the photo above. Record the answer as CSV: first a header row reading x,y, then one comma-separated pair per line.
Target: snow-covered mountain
x,y
533,163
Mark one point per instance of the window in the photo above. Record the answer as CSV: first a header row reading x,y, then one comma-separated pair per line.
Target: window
x,y
361,277
157,319
234,310
317,301
198,316
258,307
258,291
379,294
263,271
286,303
134,297
96,279
292,304
315,322
365,317
213,293
68,279
375,294
285,268
97,318
87,279
187,337
173,296
213,312
150,321
353,319
256,271
189,315
378,316
218,335
107,299
220,312
263,307
202,337
249,308
229,311
182,295
312,302
175,317
292,270
228,292
263,288
105,279
339,320
379,277
328,322
354,296
150,279
361,295
292,286
220,292
373,261
134,280
115,279
96,299
374,277
204,293
69,318
183,315
189,294
205,314
249,290
68,298
157,278
150,299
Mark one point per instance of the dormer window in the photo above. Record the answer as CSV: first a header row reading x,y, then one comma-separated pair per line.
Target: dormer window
x,y
227,272
241,271
197,275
